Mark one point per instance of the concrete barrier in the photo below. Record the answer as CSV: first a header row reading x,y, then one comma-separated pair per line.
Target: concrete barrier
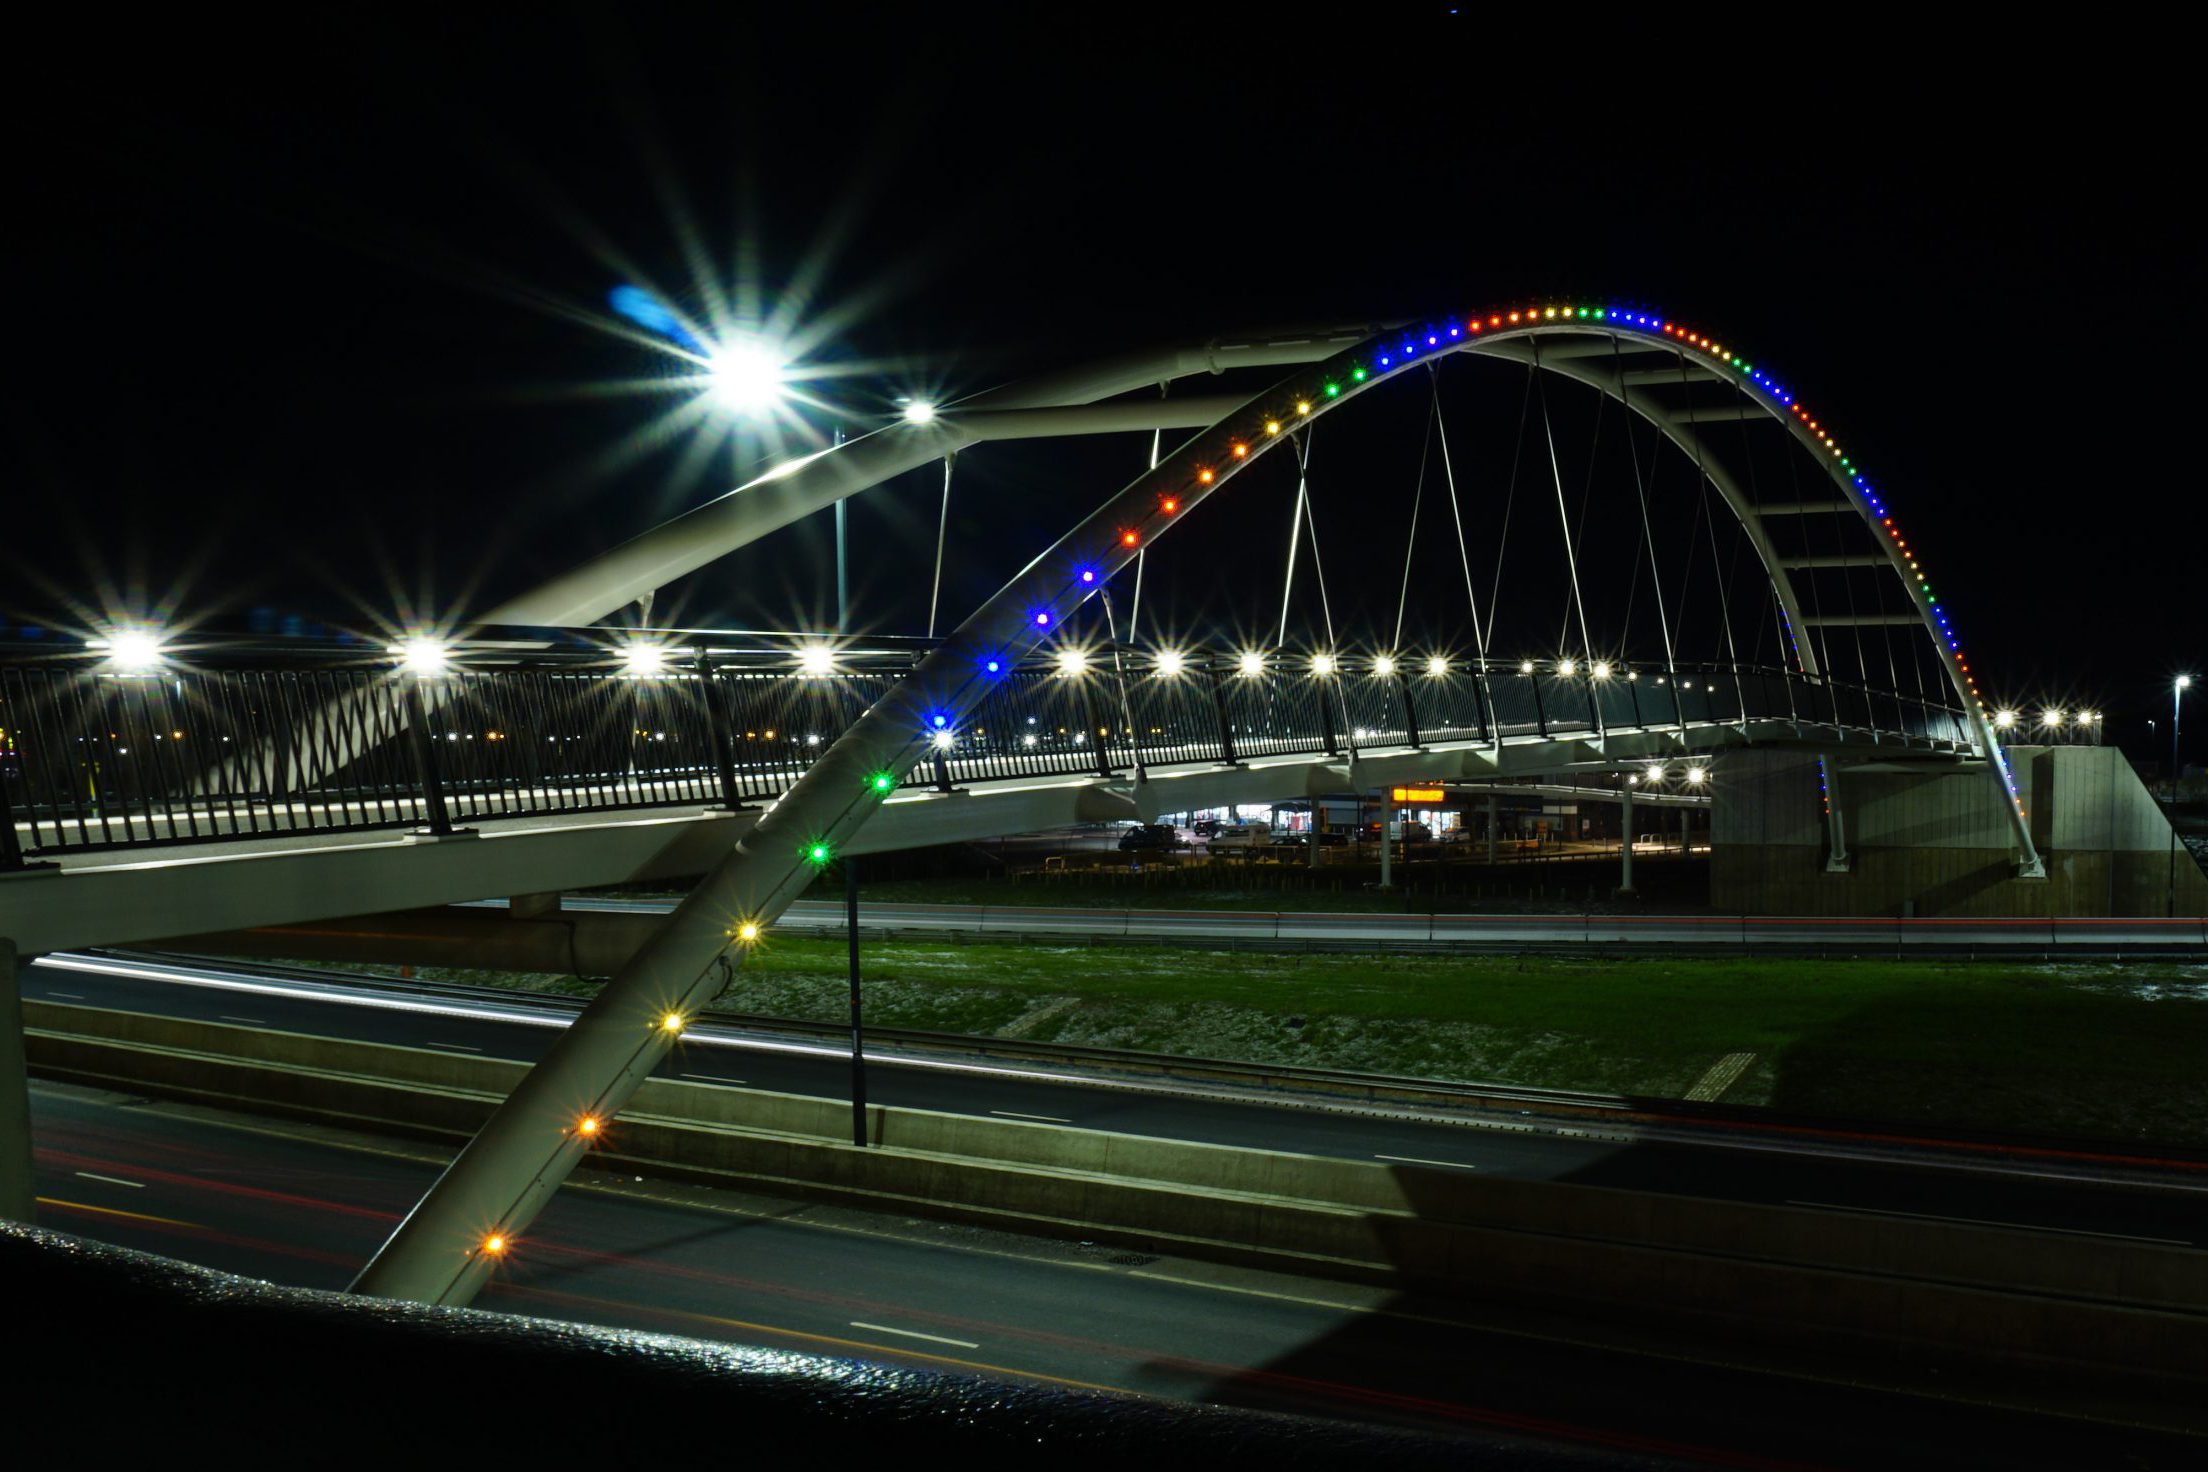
x,y
2130,1313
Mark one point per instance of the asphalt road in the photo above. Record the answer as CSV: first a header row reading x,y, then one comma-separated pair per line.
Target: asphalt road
x,y
304,1205
1845,934
2107,1194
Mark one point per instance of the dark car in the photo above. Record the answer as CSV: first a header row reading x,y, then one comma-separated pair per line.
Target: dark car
x,y
1148,837
1328,838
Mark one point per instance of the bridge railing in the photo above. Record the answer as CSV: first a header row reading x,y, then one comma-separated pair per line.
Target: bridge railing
x,y
91,758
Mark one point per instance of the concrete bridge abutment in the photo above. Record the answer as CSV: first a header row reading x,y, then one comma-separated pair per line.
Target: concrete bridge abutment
x,y
1931,839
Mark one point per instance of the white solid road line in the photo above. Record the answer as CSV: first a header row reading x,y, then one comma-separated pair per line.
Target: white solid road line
x,y
1972,1221
111,1180
711,1078
1415,1160
915,1334
457,1047
229,1017
72,996
1044,1118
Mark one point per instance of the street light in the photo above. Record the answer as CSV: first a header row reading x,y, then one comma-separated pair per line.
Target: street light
x,y
1696,776
1171,662
644,660
746,375
1322,665
1072,661
1384,665
132,651
2178,687
2051,719
919,411
1437,666
816,660
2003,719
1250,663
1567,667
423,655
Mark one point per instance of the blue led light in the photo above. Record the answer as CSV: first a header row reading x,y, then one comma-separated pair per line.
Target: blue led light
x,y
939,721
1042,619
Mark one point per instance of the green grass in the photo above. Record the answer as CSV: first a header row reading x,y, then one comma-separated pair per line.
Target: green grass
x,y
2113,1051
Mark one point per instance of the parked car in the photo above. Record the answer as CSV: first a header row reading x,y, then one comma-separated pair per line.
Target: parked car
x,y
1149,838
1328,838
1239,835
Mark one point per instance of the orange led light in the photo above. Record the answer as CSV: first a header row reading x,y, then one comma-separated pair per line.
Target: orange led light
x,y
493,1245
1128,539
1204,476
1170,505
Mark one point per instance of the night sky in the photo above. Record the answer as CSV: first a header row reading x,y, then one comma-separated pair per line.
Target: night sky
x,y
311,318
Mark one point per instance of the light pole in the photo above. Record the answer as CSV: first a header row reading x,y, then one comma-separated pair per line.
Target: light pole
x,y
2178,687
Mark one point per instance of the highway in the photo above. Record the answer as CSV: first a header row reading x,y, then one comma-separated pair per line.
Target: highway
x,y
2102,1192
2186,935
305,1205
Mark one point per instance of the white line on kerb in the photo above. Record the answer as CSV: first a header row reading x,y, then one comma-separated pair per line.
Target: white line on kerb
x,y
230,1017
1015,1114
112,1180
72,996
458,1047
1974,1221
1414,1160
915,1334
711,1078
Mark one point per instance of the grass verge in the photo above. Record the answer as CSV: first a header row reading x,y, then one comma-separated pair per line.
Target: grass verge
x,y
2104,1050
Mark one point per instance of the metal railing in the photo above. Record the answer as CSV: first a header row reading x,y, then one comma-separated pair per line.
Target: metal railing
x,y
91,758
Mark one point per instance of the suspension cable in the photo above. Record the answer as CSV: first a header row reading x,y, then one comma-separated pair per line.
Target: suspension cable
x,y
1456,510
1702,477
1425,452
942,525
1134,613
1510,499
1563,514
1648,529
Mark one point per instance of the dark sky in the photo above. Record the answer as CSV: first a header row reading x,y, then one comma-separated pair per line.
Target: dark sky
x,y
299,308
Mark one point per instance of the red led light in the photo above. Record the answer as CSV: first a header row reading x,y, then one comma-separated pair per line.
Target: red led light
x,y
1169,505
1128,539
1204,476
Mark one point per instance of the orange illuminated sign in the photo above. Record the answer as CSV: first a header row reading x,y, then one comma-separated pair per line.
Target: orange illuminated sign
x,y
1419,794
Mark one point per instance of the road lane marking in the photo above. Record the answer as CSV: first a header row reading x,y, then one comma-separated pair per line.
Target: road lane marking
x,y
458,1047
1975,1221
1015,1114
1415,1160
916,1334
112,1180
711,1078
136,1216
72,996
1722,1075
231,1017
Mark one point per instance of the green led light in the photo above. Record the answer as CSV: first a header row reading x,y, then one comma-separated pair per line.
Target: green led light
x,y
1582,311
881,781
1333,390
1359,375
819,853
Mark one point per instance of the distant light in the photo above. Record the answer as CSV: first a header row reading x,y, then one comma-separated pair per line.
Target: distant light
x,y
2051,719
817,659
423,655
1028,740
2184,682
1072,661
1250,662
1384,665
1437,666
1601,670
1696,776
132,651
919,411
2003,719
1632,781
746,375
1171,661
1322,665
1567,667
644,659
945,740
2088,717
1525,666
1655,771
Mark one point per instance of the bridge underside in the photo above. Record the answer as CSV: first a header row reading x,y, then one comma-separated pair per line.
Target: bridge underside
x,y
148,894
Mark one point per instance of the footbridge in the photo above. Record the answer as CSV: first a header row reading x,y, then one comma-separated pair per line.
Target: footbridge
x,y
1639,549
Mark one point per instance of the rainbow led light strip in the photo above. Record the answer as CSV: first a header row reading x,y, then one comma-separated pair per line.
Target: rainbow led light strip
x,y
1367,365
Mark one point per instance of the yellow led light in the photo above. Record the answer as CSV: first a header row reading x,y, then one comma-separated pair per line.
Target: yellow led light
x,y
749,930
493,1245
1272,426
672,1022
